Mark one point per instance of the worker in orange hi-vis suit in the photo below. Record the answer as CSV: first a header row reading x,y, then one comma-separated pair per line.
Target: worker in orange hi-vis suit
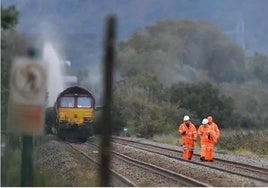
x,y
189,134
207,140
215,127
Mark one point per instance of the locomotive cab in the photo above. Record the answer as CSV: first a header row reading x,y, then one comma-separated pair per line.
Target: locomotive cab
x,y
83,112
74,111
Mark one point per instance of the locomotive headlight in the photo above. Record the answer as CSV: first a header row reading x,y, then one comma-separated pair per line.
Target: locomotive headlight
x,y
87,119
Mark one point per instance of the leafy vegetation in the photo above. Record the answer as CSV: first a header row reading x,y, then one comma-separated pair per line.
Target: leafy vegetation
x,y
248,142
41,178
242,141
178,67
203,99
139,106
9,17
258,65
183,50
10,168
146,108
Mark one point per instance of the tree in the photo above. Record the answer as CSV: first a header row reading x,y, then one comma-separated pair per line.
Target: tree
x,y
203,99
9,17
182,50
139,105
258,66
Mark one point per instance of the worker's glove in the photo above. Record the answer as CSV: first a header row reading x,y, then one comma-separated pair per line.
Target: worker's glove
x,y
183,133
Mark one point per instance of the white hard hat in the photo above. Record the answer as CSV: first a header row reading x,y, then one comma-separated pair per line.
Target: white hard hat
x,y
205,121
186,118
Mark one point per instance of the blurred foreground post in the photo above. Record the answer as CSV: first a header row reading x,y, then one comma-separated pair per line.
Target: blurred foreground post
x,y
27,162
106,130
26,107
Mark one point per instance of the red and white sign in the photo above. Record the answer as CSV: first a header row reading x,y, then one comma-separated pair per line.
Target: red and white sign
x,y
27,97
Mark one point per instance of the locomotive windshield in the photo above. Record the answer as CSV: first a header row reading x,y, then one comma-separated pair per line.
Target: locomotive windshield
x,y
67,102
83,102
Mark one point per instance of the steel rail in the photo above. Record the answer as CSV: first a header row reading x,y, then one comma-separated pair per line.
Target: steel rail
x,y
186,181
230,163
239,165
124,180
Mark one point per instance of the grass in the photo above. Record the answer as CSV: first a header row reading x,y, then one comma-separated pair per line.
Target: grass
x,y
171,138
237,141
11,171
47,178
82,175
10,168
241,141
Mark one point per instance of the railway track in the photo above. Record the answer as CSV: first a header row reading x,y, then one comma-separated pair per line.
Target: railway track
x,y
151,172
244,170
115,176
179,179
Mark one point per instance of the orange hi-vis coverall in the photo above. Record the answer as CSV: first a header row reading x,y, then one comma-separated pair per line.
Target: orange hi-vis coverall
x,y
189,135
207,139
215,127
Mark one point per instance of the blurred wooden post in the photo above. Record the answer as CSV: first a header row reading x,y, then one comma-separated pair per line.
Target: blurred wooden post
x,y
27,148
106,129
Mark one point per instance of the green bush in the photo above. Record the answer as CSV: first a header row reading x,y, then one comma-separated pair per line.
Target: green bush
x,y
10,168
244,141
251,142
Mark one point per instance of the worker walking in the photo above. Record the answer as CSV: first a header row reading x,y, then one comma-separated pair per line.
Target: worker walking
x,y
215,127
189,134
207,139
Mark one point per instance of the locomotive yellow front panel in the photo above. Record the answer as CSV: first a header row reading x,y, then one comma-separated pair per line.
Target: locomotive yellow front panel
x,y
76,115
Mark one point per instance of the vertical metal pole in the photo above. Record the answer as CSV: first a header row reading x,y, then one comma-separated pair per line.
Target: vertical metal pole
x,y
27,162
27,148
106,129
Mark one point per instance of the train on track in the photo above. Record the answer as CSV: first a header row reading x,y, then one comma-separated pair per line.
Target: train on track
x,y
72,115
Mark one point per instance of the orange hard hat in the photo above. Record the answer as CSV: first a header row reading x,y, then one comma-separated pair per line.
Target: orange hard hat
x,y
210,119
